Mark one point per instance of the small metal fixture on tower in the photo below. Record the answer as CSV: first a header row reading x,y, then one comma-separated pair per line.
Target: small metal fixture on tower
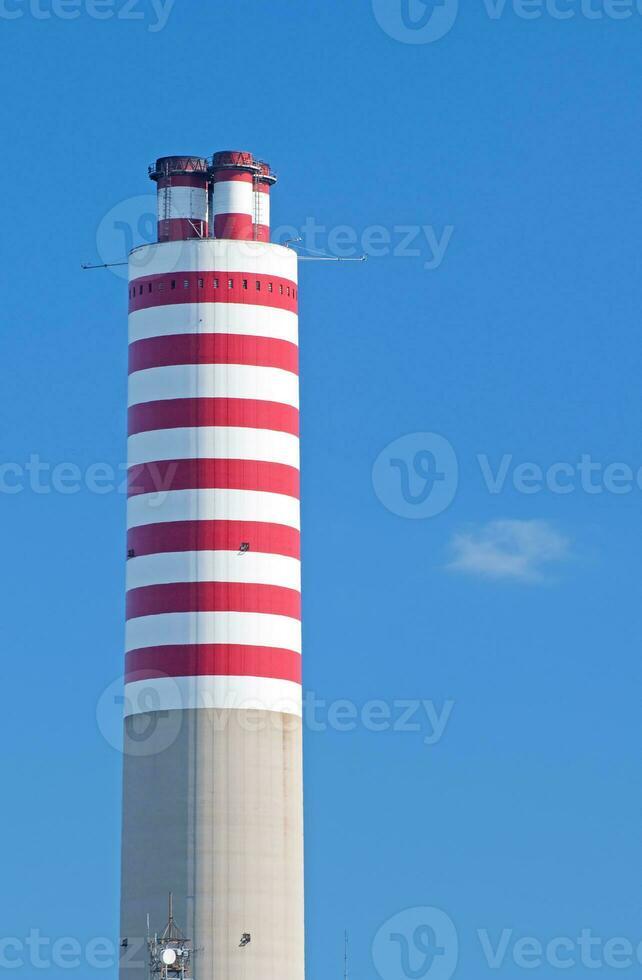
x,y
170,955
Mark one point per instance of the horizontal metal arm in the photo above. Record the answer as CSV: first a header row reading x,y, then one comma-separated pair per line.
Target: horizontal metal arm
x,y
105,265
331,258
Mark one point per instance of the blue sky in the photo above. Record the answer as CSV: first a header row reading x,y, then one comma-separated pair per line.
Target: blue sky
x,y
516,138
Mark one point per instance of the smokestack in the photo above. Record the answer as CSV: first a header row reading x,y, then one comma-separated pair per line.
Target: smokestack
x,y
263,180
182,197
232,202
212,798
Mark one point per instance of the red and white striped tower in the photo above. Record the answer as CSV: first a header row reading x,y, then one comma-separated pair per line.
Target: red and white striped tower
x,y
233,174
263,180
182,184
212,806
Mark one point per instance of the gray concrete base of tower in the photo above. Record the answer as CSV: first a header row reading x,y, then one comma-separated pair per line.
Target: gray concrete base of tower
x,y
212,812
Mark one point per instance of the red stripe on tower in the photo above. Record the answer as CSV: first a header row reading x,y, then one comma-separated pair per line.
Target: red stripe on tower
x,y
174,413
197,660
212,474
174,597
182,184
213,348
158,539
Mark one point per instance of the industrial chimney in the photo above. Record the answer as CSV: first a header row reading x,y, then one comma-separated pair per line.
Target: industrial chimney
x,y
212,808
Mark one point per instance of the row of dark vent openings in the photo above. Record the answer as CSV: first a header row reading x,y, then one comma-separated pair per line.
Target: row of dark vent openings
x,y
283,290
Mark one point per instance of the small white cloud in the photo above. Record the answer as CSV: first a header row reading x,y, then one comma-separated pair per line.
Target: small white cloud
x,y
509,550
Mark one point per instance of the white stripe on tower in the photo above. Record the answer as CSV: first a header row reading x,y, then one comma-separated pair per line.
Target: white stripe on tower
x,y
213,566
211,380
178,200
222,692
264,321
221,627
212,505
148,260
214,442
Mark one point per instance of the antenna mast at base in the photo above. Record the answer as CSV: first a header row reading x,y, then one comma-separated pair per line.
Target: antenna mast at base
x,y
170,955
